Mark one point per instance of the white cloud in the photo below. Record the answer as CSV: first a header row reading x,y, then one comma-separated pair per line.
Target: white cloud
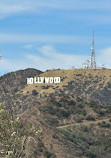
x,y
30,38
92,18
28,46
12,65
104,57
101,9
49,58
52,59
12,7
8,7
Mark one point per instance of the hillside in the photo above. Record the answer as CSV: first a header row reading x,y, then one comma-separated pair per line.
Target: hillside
x,y
66,120
91,84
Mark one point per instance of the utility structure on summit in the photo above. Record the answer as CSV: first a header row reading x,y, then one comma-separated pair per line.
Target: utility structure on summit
x,y
93,62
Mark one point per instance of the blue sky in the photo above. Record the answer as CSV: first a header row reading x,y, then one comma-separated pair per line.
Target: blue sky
x,y
46,34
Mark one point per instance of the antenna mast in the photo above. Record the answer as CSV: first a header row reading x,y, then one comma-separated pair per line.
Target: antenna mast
x,y
93,62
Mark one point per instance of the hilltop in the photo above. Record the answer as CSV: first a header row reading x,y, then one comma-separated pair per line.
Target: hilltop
x,y
71,118
89,83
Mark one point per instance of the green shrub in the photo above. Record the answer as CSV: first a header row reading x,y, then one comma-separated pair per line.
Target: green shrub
x,y
48,154
90,118
104,125
34,92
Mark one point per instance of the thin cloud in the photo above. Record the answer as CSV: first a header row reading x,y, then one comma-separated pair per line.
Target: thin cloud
x,y
28,46
48,58
29,38
20,6
104,57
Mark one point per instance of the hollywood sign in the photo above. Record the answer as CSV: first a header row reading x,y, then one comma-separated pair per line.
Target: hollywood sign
x,y
43,80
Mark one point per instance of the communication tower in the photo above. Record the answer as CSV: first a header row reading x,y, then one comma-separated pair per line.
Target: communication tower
x,y
93,62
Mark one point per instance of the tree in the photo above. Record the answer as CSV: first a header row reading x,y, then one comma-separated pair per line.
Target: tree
x,y
13,135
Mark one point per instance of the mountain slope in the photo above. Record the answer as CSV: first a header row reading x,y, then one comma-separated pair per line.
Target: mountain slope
x,y
95,84
70,118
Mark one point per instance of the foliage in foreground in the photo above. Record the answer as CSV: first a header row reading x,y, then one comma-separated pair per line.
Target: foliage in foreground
x,y
13,135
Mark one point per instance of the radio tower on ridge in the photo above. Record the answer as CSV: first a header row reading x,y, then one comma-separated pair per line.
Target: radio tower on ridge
x,y
93,62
